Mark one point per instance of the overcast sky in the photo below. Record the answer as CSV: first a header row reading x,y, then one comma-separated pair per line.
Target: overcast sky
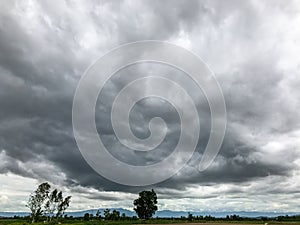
x,y
253,48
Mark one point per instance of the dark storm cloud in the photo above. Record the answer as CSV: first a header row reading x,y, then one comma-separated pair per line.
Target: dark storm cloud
x,y
45,48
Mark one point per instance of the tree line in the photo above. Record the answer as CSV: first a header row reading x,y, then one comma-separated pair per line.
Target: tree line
x,y
52,205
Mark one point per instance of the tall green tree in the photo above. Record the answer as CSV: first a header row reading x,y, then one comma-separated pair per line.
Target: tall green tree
x,y
107,214
146,204
62,206
43,201
98,213
52,203
115,215
37,200
56,204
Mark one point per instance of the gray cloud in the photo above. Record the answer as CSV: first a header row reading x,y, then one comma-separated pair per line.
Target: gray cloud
x,y
252,47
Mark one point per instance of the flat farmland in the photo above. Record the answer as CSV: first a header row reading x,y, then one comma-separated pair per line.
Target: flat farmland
x,y
232,223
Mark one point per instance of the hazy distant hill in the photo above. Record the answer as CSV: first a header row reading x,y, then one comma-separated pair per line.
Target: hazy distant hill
x,y
94,211
170,213
12,214
164,213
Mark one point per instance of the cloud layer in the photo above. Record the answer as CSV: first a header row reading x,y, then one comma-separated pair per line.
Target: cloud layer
x,y
253,48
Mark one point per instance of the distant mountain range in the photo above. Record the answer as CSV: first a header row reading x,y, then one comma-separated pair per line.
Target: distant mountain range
x,y
166,213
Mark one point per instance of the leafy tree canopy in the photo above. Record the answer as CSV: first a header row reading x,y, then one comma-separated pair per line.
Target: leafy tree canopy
x,y
146,204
